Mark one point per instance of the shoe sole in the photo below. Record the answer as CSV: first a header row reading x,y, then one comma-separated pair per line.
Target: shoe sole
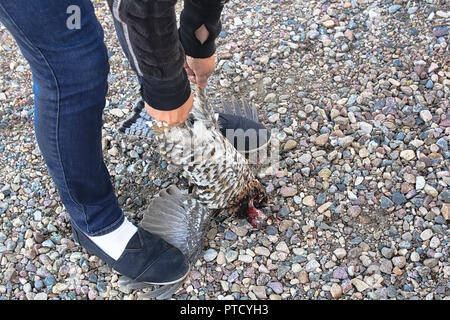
x,y
170,282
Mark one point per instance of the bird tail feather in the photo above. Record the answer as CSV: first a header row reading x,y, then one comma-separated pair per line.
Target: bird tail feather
x,y
240,108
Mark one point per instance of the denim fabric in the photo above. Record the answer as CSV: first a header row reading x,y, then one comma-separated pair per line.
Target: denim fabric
x,y
70,68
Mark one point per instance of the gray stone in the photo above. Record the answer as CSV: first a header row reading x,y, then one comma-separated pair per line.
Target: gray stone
x,y
386,203
210,255
398,198
387,252
386,266
340,273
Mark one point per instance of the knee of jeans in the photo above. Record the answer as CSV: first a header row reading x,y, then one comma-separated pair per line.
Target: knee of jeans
x,y
73,75
87,70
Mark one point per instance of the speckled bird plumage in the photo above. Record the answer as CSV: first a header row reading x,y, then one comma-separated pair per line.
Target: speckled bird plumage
x,y
221,176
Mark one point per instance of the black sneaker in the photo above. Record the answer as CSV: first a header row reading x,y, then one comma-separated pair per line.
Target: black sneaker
x,y
238,124
147,258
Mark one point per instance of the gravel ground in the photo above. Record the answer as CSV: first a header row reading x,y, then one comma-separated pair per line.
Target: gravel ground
x,y
357,91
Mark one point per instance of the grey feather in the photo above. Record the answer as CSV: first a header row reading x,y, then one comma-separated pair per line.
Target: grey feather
x,y
251,111
237,107
158,292
226,107
240,108
179,219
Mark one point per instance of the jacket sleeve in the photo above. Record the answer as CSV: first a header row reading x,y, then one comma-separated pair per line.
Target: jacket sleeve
x,y
194,14
149,31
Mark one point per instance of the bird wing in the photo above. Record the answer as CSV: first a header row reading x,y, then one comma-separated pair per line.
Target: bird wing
x,y
178,219
181,221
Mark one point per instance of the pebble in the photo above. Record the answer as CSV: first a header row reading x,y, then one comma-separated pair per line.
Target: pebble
x,y
40,296
399,261
271,97
210,255
324,173
420,182
446,211
425,115
430,190
386,266
359,284
274,117
230,235
282,246
387,252
231,255
435,242
340,273
305,159
288,191
309,201
260,292
358,103
262,251
245,258
394,8
289,145
415,257
426,234
336,291
312,265
340,253
407,155
329,23
386,203
322,139
276,286
398,198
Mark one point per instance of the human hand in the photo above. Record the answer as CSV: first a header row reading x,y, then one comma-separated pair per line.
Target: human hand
x,y
199,69
172,117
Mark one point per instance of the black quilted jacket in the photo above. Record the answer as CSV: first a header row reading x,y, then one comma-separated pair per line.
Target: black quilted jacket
x,y
156,48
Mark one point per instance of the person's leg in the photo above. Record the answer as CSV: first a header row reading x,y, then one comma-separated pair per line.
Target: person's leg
x,y
70,68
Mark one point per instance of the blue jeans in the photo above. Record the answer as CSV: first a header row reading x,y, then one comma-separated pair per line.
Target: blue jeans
x,y
70,69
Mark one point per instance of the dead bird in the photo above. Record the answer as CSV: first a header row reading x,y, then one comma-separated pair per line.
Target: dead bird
x,y
218,172
211,154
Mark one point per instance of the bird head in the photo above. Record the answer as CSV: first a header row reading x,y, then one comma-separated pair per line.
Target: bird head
x,y
250,204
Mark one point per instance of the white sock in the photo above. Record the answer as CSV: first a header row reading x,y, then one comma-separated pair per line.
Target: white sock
x,y
115,242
